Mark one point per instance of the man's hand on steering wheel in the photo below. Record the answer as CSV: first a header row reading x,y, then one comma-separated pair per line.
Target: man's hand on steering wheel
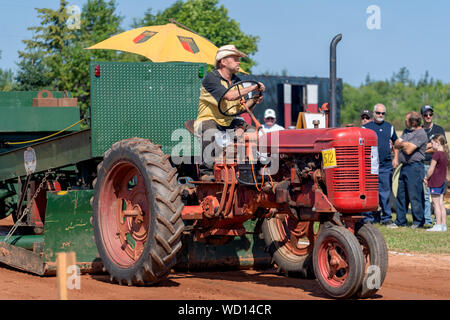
x,y
239,93
261,87
259,97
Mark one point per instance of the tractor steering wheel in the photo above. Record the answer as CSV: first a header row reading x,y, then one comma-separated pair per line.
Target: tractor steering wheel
x,y
237,108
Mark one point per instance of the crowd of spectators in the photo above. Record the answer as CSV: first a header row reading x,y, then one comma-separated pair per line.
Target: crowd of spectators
x,y
421,153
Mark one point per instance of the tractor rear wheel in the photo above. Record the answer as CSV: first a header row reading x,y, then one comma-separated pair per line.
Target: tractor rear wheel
x,y
338,262
137,212
376,259
290,243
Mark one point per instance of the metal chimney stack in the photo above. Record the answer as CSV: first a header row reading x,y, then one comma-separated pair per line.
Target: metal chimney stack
x,y
333,80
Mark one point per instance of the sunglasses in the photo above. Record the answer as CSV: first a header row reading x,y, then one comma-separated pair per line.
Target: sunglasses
x,y
365,117
429,114
382,113
270,118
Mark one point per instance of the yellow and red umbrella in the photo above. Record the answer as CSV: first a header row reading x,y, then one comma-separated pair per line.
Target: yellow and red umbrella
x,y
163,43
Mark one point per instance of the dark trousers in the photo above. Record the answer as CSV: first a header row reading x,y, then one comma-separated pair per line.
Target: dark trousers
x,y
208,140
410,191
384,193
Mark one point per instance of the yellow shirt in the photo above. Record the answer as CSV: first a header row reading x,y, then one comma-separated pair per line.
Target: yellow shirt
x,y
213,88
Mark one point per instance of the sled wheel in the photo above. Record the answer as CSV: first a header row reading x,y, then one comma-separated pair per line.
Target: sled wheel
x,y
338,262
376,259
137,212
290,242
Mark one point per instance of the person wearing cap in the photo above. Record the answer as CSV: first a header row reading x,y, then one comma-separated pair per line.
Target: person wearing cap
x,y
366,117
431,129
386,134
214,85
270,119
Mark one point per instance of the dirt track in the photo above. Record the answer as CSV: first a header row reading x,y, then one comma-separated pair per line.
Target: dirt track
x,y
416,276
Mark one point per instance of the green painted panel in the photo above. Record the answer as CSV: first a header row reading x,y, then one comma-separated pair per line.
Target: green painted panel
x,y
54,153
24,241
23,98
68,227
38,119
247,251
147,100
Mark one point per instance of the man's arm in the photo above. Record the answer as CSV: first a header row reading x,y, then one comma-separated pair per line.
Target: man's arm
x,y
418,139
394,136
395,160
405,146
252,102
429,148
234,94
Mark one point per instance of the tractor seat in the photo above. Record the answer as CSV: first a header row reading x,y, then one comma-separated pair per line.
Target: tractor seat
x,y
189,125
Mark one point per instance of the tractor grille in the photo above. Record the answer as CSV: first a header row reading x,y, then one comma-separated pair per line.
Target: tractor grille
x,y
371,179
346,175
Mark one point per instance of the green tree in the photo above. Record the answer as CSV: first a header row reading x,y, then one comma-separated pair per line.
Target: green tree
x,y
209,20
6,79
99,21
50,42
55,58
33,74
400,94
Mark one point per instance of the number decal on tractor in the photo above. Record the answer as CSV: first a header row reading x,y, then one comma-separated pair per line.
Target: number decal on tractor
x,y
329,158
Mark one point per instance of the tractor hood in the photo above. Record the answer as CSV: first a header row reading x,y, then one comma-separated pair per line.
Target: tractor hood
x,y
316,140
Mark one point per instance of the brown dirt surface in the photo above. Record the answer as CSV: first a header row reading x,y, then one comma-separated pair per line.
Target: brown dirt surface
x,y
409,277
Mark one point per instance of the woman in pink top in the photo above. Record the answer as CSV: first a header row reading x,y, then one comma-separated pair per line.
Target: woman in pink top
x,y
435,180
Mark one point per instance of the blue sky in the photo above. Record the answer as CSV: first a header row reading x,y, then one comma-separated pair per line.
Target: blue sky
x,y
295,34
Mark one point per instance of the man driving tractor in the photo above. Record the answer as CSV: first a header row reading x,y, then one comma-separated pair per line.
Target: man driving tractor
x,y
215,96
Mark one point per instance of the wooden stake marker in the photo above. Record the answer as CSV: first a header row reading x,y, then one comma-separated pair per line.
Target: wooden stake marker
x,y
63,261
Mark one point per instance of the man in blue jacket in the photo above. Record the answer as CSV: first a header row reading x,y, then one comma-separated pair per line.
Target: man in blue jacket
x,y
386,134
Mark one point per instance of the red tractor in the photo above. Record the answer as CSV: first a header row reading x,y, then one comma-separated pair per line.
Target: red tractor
x,y
309,209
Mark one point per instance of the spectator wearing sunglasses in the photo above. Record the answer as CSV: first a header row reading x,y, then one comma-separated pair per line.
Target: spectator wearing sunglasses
x,y
431,129
386,135
366,117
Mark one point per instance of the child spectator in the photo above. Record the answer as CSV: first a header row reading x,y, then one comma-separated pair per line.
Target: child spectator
x,y
435,179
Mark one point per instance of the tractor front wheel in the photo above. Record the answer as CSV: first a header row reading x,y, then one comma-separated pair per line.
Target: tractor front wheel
x,y
338,262
376,259
137,212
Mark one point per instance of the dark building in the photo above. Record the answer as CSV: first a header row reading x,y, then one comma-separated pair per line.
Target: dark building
x,y
290,95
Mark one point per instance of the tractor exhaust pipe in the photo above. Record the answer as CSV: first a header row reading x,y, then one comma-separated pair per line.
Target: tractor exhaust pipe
x,y
333,80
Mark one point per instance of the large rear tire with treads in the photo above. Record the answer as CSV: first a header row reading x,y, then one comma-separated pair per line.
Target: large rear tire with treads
x,y
137,212
290,243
